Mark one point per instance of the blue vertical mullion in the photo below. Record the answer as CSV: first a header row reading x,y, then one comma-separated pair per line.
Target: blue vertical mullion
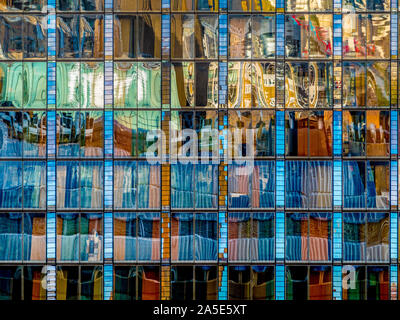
x,y
393,133
51,36
108,133
337,283
280,184
51,235
337,35
108,281
393,183
280,236
393,235
223,36
393,281
108,184
337,133
280,282
280,133
393,34
337,236
223,288
51,84
222,83
165,35
280,35
337,183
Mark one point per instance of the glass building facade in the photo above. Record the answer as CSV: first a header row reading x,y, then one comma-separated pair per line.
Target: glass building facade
x,y
85,216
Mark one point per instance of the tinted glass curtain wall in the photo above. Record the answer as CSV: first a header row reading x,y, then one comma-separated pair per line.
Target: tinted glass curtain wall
x,y
99,205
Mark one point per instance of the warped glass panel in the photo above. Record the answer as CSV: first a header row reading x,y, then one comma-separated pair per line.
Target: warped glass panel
x,y
35,236
321,131
124,36
34,184
296,184
378,184
68,184
263,85
35,134
182,36
11,42
320,237
35,36
354,184
11,134
10,184
354,91
91,237
206,282
125,184
92,36
262,283
239,236
239,282
92,5
67,237
321,84
34,276
183,84
125,85
149,85
206,235
125,133
240,36
239,85
35,85
263,36
11,236
182,187
149,243
320,283
206,125
206,80
378,84
125,236
11,84
239,186
263,124
297,246
124,283
149,282
263,185
378,35
147,122
378,133
297,85
148,39
68,85
297,36
92,85
68,38
354,236
378,226
296,283
182,236
206,186
321,36
358,290
354,35
149,180
181,283
319,182
91,283
10,282
91,184
92,133
206,36
67,283
378,284
353,133
68,134
263,234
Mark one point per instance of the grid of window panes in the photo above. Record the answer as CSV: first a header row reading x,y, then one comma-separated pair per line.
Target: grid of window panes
x,y
85,216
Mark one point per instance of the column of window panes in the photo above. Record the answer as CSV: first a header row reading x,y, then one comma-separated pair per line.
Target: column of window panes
x,y
251,66
80,149
23,153
137,111
374,93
